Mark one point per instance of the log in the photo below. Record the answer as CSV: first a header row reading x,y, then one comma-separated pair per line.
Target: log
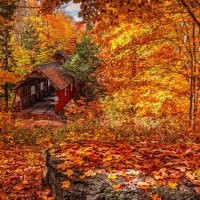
x,y
99,187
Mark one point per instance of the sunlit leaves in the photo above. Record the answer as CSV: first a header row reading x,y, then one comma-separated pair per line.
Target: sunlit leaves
x,y
6,76
172,185
155,164
112,177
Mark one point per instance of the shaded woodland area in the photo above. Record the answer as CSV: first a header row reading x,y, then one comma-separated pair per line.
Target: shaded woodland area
x,y
134,127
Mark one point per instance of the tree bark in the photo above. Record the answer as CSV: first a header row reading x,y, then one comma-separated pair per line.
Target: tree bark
x,y
191,13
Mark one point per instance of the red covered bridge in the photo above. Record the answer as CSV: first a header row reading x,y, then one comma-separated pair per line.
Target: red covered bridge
x,y
44,80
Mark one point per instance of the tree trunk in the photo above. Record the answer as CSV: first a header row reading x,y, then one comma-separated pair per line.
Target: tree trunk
x,y
194,83
6,68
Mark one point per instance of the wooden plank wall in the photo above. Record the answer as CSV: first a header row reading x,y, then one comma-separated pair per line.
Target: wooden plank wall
x,y
25,92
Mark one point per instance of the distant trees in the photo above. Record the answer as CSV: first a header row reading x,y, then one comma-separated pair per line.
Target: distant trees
x,y
7,10
28,38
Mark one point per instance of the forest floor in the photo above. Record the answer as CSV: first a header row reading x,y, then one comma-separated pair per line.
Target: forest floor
x,y
22,164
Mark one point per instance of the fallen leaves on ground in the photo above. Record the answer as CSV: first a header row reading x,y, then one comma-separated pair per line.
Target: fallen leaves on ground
x,y
21,170
21,164
155,197
141,165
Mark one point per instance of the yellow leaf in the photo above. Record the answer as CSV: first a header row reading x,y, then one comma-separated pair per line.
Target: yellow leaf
x,y
112,177
197,172
109,157
69,172
66,184
190,176
173,185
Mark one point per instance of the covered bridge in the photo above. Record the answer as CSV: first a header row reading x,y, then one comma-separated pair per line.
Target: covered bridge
x,y
44,80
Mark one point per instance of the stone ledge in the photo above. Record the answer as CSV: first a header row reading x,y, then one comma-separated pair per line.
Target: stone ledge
x,y
100,188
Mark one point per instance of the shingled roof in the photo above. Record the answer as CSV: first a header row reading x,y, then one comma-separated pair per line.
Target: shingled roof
x,y
58,78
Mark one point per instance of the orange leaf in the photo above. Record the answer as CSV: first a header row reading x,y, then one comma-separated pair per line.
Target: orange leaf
x,y
123,174
25,182
78,160
82,177
174,176
109,157
197,189
94,157
161,183
66,184
155,197
69,172
63,166
117,187
144,187
19,187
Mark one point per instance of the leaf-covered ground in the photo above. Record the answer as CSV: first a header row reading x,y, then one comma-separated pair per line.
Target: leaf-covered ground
x,y
140,164
21,161
21,169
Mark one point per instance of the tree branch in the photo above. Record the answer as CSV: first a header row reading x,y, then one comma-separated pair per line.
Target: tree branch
x,y
190,12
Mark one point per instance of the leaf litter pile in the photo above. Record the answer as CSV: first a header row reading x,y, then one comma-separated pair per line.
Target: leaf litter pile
x,y
143,165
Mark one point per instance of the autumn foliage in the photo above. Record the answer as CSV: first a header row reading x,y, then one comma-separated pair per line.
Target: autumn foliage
x,y
144,129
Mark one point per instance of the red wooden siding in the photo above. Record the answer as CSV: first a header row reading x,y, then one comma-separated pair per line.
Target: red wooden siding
x,y
63,100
